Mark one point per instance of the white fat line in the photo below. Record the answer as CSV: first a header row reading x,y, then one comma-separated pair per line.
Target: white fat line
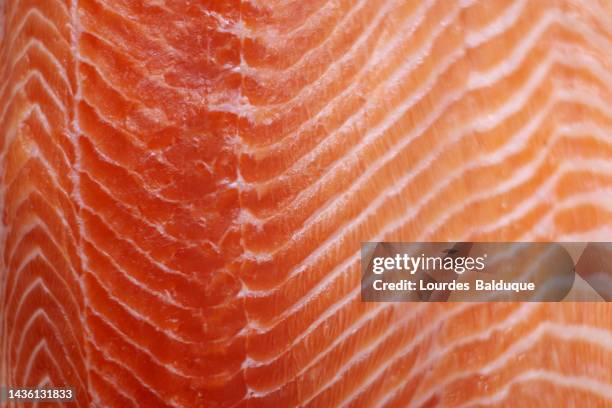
x,y
537,197
41,347
162,296
127,369
39,283
592,36
185,277
118,388
10,137
19,88
507,149
155,192
382,198
36,156
509,146
272,74
364,353
558,332
313,292
74,171
123,337
133,140
34,220
594,130
34,43
33,107
557,379
188,94
27,225
600,12
521,53
525,173
349,332
227,25
138,177
132,210
519,176
339,199
34,111
325,282
161,118
353,329
142,252
591,196
389,156
15,8
590,97
492,160
547,223
544,191
138,315
308,24
412,23
541,194
73,131
18,275
311,295
576,57
505,21
18,230
44,381
524,311
133,20
600,198
312,25
17,30
26,332
319,322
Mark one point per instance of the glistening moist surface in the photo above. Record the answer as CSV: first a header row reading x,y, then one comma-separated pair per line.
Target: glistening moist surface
x,y
186,184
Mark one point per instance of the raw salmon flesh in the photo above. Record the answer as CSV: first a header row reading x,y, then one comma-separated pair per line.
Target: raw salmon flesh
x,y
185,186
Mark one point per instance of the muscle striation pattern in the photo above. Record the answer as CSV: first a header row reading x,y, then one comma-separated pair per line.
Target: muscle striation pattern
x,y
186,184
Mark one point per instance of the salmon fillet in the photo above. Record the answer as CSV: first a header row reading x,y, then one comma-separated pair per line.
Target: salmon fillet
x,y
186,185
